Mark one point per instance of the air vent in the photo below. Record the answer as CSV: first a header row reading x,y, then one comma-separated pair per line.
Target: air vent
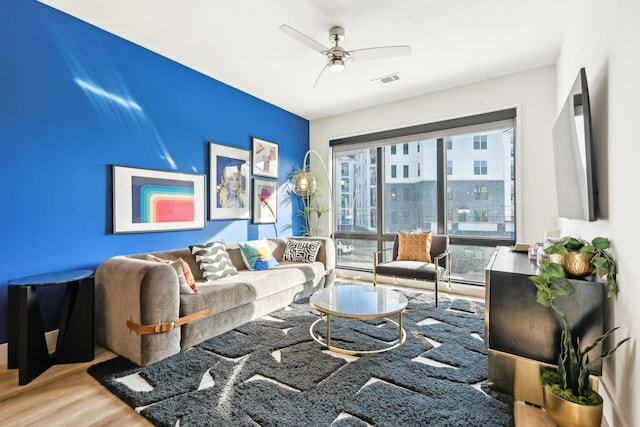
x,y
387,79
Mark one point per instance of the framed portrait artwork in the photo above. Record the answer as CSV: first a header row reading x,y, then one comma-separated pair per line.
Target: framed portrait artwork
x,y
147,200
265,157
229,170
265,201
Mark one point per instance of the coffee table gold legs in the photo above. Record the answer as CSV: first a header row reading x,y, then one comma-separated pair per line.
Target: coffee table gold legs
x,y
328,320
402,336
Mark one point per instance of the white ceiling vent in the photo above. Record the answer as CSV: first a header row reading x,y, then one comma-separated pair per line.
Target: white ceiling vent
x,y
387,79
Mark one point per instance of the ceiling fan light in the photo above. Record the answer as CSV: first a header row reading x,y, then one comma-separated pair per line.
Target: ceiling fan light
x,y
336,65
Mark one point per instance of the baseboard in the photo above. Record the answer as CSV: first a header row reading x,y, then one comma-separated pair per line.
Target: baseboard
x,y
51,337
611,413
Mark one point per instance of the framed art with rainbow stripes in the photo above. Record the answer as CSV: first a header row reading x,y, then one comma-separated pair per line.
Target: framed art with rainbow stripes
x,y
147,200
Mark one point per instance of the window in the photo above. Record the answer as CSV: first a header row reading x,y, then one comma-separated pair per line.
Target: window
x,y
479,167
479,142
481,215
481,192
475,207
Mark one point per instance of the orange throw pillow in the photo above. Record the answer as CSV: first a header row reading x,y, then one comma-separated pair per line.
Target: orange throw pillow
x,y
414,246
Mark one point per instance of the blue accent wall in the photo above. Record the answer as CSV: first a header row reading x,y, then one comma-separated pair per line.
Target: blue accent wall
x,y
74,100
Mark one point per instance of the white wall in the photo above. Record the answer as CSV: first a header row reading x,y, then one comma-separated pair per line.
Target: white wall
x,y
604,37
531,92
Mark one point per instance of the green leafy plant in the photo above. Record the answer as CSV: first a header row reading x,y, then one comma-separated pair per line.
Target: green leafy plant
x,y
570,380
603,263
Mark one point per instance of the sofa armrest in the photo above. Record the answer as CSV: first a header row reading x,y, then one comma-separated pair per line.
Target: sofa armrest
x,y
145,292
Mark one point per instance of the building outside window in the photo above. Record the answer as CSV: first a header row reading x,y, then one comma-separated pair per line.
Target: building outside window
x,y
474,206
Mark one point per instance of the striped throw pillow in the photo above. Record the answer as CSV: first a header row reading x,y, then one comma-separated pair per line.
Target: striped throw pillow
x,y
213,260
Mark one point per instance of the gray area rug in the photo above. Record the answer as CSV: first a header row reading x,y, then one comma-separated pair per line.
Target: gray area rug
x,y
270,372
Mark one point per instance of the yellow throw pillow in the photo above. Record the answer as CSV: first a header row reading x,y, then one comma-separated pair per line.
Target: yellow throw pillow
x,y
414,246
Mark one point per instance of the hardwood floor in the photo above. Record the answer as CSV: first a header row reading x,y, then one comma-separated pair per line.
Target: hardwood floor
x,y
64,395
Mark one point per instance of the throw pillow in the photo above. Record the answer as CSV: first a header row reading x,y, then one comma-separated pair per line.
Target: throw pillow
x,y
414,246
257,255
213,260
301,250
179,265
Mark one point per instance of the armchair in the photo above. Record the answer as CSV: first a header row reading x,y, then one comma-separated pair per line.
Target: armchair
x,y
417,270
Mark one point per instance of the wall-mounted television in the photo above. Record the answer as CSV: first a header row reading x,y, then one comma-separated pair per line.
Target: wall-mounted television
x,y
574,160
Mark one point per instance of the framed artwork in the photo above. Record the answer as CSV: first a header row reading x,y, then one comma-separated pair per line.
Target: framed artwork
x,y
146,200
229,170
265,201
265,158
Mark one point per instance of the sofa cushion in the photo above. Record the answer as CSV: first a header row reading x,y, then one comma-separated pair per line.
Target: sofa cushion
x,y
185,276
301,250
257,255
213,261
414,246
248,286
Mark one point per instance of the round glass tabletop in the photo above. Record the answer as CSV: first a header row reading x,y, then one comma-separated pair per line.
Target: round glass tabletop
x,y
358,301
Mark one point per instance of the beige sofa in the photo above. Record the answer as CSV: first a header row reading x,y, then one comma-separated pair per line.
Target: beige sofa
x,y
133,288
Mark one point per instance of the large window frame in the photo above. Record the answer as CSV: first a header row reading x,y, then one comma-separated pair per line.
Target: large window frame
x,y
395,137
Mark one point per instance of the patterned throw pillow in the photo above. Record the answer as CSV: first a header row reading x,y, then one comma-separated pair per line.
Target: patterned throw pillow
x,y
301,250
256,254
213,260
414,246
183,279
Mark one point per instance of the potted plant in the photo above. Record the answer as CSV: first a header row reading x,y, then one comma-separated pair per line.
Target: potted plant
x,y
568,397
580,257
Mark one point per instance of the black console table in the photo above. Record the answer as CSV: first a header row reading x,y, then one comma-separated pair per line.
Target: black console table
x,y
520,334
76,337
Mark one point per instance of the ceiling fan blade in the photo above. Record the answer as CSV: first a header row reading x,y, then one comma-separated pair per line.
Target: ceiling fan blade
x,y
320,75
306,40
379,52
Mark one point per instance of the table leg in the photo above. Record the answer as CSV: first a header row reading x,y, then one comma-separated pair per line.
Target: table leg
x,y
33,356
328,331
76,338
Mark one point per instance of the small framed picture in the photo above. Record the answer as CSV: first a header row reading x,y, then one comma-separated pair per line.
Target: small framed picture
x,y
229,170
265,158
265,201
146,200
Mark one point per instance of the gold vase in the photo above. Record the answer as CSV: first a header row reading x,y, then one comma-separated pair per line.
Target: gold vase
x,y
576,264
570,414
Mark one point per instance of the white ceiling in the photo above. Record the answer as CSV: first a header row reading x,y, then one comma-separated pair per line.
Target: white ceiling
x,y
239,42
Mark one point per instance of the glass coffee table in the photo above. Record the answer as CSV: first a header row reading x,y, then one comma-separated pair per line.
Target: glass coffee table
x,y
358,302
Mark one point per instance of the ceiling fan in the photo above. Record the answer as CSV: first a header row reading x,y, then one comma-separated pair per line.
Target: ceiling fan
x,y
337,56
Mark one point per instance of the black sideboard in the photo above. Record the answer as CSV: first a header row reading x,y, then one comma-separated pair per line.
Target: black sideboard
x,y
519,331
